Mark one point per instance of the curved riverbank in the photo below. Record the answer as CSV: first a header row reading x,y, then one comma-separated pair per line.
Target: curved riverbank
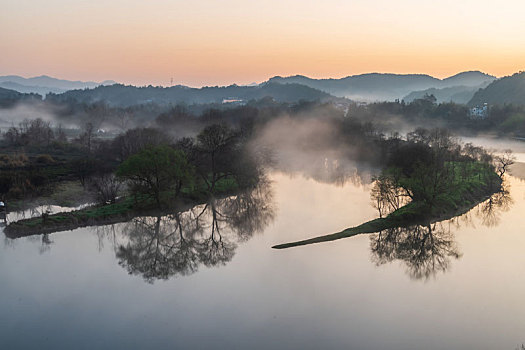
x,y
123,210
460,198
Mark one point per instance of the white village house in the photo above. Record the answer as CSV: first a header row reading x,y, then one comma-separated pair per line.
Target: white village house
x,y
479,112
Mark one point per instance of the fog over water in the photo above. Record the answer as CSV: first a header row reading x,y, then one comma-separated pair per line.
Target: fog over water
x,y
76,289
312,147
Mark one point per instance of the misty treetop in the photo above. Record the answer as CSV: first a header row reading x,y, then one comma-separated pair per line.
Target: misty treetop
x,y
505,120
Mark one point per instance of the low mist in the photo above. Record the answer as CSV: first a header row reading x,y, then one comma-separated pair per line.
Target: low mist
x,y
310,145
22,111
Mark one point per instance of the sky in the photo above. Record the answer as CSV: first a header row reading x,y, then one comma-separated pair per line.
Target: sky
x,y
212,42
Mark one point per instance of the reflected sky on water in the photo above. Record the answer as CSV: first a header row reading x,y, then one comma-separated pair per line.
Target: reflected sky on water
x,y
128,286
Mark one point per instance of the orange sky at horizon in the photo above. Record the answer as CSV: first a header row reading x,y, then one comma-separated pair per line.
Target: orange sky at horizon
x,y
204,42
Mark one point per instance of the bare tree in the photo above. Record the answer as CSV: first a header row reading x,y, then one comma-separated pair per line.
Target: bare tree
x,y
217,145
135,140
87,136
61,135
386,195
504,161
106,187
123,120
30,132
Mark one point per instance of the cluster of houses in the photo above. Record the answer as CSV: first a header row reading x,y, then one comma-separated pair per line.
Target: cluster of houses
x,y
234,101
479,112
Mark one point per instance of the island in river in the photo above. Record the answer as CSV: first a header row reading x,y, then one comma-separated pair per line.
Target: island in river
x,y
429,179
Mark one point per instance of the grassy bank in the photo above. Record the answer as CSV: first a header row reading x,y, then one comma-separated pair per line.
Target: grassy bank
x,y
464,193
63,194
123,210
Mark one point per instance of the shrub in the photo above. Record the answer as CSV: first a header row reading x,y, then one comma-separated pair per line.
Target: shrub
x,y
44,159
13,161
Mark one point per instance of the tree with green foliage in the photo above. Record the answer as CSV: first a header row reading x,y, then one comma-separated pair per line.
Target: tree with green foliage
x,y
157,170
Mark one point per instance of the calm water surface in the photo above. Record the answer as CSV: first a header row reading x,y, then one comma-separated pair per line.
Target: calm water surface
x,y
223,287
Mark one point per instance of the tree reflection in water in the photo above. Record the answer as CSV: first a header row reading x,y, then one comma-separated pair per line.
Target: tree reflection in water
x,y
178,244
490,210
425,250
428,250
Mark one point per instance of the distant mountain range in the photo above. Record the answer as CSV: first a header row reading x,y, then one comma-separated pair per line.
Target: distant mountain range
x,y
472,88
507,90
388,87
121,95
44,84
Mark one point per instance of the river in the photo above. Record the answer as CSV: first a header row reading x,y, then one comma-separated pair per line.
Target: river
x,y
223,287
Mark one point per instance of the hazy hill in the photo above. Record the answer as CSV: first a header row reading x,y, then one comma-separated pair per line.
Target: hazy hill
x,y
471,79
377,86
6,93
10,97
42,90
507,90
121,95
457,94
45,84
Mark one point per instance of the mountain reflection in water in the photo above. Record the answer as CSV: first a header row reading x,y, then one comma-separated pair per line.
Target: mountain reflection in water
x,y
178,244
428,250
